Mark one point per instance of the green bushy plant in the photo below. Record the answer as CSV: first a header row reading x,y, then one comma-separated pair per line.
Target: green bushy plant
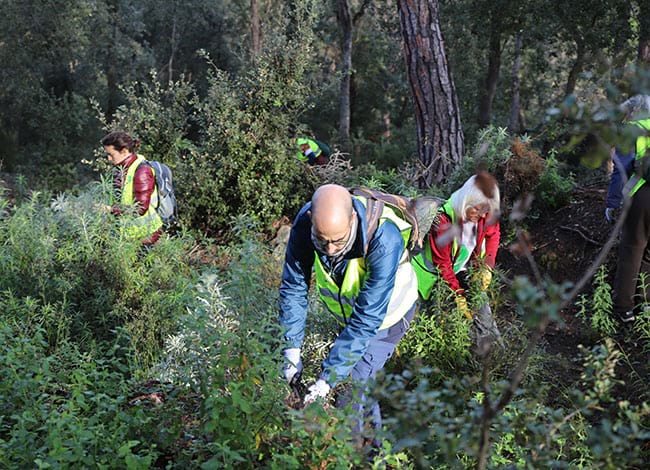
x,y
227,352
66,262
597,311
438,422
66,408
440,335
555,186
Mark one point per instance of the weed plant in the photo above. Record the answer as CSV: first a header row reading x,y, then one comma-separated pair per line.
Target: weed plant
x,y
597,311
437,423
66,267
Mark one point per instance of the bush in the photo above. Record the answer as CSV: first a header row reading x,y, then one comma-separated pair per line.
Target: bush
x,y
65,264
66,409
554,188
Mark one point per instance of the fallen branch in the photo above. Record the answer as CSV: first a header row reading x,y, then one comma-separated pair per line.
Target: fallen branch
x,y
579,232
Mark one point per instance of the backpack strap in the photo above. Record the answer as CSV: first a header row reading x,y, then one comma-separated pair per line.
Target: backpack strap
x,y
374,209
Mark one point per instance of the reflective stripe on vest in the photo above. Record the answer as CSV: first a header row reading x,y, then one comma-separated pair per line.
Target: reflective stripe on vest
x,y
312,145
146,224
426,270
341,301
642,145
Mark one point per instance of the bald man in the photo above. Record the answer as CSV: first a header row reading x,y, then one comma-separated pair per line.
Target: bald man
x,y
368,284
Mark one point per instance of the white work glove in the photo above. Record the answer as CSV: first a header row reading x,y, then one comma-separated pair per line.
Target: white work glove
x,y
292,365
320,389
611,214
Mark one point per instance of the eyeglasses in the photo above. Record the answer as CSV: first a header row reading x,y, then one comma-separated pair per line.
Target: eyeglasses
x,y
481,210
323,243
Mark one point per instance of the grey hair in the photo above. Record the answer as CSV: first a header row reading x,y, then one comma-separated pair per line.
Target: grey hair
x,y
470,195
637,107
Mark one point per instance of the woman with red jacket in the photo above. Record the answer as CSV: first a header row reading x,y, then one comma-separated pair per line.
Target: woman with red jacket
x,y
462,248
135,184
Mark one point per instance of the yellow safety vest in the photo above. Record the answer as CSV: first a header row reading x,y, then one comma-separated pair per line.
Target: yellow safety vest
x,y
642,145
312,145
146,224
341,300
425,269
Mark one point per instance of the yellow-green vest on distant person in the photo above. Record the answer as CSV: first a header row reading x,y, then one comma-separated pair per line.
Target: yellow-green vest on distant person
x,y
642,145
341,300
142,226
312,145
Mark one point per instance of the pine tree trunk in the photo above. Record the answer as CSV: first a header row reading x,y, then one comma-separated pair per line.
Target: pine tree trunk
x,y
440,140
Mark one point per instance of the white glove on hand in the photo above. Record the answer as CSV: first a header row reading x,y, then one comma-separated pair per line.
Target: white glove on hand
x,y
320,389
293,364
611,214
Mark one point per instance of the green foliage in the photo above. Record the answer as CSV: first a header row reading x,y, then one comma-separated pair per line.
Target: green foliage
x,y
439,422
66,409
440,335
490,153
598,310
66,267
241,159
517,167
554,188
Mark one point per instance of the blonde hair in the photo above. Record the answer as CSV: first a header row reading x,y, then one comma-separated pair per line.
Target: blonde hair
x,y
481,188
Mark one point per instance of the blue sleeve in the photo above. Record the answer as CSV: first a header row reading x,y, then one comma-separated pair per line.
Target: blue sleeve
x,y
371,305
617,180
296,276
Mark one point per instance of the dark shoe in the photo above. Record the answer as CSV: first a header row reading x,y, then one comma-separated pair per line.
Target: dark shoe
x,y
626,317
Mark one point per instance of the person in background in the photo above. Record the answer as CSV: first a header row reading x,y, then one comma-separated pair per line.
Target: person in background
x,y
633,249
135,184
310,152
364,279
461,251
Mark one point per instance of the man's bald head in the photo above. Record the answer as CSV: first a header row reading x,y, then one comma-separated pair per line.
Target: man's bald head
x,y
331,212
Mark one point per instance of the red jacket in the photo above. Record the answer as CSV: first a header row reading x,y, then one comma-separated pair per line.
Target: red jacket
x,y
443,257
144,182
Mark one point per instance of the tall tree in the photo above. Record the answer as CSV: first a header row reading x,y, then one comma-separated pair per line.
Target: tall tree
x,y
348,22
644,33
440,140
496,43
256,29
593,29
515,105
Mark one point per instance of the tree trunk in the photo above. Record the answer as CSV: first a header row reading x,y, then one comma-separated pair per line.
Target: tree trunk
x,y
345,22
492,78
578,65
256,30
440,140
112,77
172,53
644,33
515,106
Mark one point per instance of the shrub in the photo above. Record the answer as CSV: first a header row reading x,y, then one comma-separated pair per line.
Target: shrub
x,y
554,189
66,409
66,264
598,310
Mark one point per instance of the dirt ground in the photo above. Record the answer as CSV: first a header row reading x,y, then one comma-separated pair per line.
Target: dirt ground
x,y
564,244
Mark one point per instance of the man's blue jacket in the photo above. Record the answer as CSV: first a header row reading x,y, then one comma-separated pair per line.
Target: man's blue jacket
x,y
382,260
